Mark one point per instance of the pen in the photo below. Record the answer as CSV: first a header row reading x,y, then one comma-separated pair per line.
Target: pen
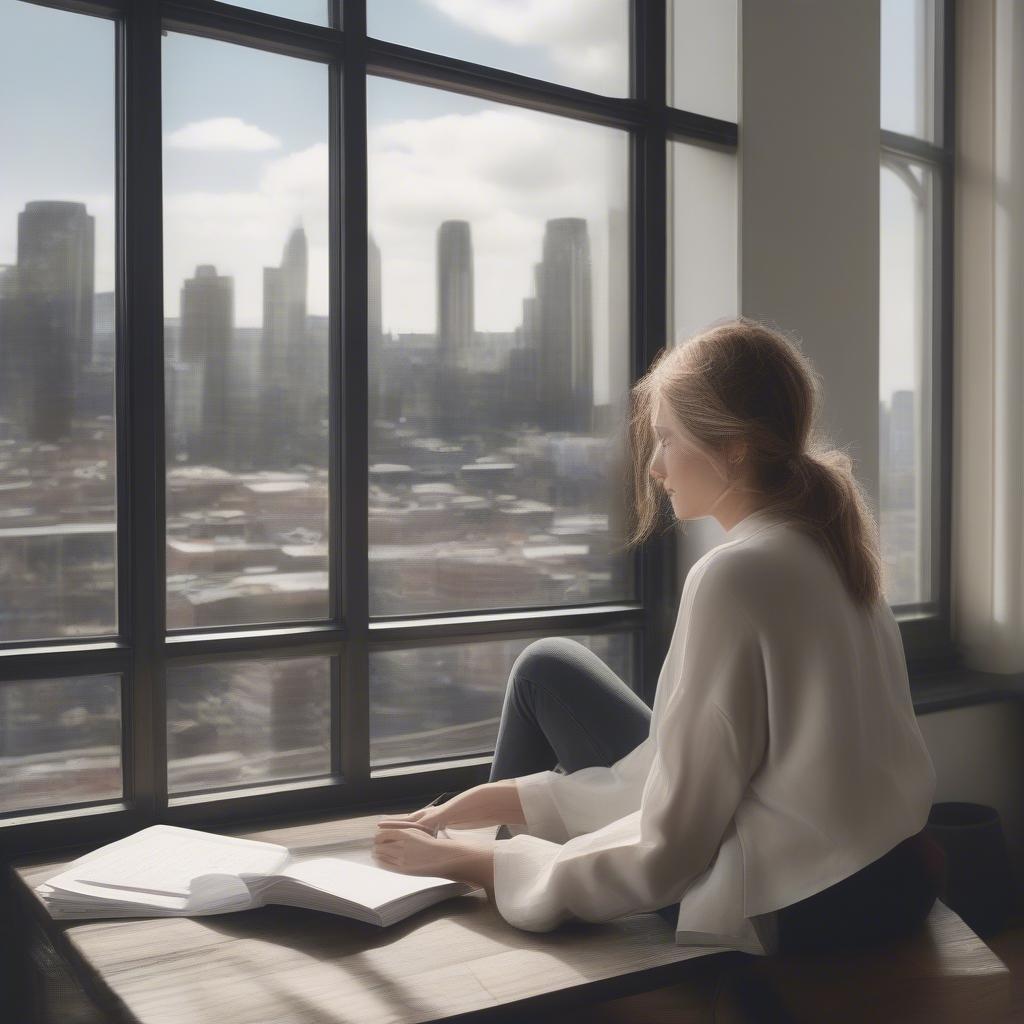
x,y
443,798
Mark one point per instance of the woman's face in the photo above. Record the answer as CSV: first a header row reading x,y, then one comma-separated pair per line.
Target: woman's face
x,y
682,469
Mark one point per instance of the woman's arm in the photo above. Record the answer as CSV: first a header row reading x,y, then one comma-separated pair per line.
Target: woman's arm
x,y
490,803
412,851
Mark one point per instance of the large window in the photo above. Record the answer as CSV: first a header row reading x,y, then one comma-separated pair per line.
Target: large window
x,y
915,204
499,371
246,383
58,296
317,328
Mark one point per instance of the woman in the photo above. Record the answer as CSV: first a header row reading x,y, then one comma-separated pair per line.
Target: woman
x,y
775,797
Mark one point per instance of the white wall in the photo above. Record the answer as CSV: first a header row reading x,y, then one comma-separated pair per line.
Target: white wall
x,y
809,241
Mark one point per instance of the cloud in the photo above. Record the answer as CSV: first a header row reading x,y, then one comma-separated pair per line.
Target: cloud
x,y
505,170
585,38
223,133
241,231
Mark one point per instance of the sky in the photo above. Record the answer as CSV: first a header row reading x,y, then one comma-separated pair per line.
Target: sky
x,y
245,153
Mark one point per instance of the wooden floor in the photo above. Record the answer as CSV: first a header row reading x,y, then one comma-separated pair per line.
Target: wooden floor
x,y
685,1004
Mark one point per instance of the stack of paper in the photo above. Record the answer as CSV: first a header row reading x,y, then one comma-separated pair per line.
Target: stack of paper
x,y
165,871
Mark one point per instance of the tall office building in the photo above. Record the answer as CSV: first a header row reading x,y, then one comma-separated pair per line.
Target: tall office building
x,y
617,342
454,293
207,320
454,324
902,431
374,319
49,318
8,390
377,383
565,327
286,374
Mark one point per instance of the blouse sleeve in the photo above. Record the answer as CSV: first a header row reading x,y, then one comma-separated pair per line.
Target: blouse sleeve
x,y
557,807
709,740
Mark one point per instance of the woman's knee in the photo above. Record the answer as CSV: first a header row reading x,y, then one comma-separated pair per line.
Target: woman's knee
x,y
549,661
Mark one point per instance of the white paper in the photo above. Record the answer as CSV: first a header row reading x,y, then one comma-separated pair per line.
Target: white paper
x,y
355,879
163,861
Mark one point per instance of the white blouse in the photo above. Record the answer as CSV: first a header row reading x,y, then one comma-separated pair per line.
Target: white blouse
x,y
784,755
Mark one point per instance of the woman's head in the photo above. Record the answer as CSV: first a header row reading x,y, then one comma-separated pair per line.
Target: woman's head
x,y
731,411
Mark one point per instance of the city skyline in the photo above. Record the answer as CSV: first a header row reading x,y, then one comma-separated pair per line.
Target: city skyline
x,y
226,178
507,510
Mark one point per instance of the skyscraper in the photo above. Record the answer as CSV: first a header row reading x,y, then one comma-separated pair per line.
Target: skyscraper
x,y
565,326
454,323
8,389
285,371
207,320
377,383
374,321
49,322
454,293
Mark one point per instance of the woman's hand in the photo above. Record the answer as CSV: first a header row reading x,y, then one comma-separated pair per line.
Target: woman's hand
x,y
411,850
490,803
429,819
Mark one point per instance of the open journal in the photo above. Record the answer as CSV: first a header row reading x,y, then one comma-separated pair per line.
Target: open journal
x,y
166,871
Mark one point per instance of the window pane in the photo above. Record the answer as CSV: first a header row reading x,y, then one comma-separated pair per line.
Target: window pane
x,y
499,355
703,40
906,341
58,506
240,722
445,701
314,11
579,43
60,742
246,301
704,237
909,86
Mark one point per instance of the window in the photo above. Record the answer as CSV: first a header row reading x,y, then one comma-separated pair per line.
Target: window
x,y
315,11
498,375
915,209
704,236
579,43
317,345
703,60
703,176
58,296
246,334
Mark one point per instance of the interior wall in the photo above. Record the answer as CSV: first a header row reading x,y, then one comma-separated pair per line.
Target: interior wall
x,y
809,237
808,210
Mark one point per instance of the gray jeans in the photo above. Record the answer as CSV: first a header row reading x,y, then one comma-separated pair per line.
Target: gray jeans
x,y
565,707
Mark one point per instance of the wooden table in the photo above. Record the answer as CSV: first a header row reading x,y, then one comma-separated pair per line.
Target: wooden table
x,y
283,964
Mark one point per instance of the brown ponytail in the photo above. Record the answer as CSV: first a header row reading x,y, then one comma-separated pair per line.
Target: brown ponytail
x,y
742,380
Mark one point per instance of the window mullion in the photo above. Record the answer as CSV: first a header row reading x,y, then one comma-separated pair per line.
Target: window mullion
x,y
649,291
140,358
352,447
944,281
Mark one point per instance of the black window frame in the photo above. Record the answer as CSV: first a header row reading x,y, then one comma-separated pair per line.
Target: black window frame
x,y
926,628
141,650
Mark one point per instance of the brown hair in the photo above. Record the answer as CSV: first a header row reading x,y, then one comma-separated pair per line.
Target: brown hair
x,y
741,380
